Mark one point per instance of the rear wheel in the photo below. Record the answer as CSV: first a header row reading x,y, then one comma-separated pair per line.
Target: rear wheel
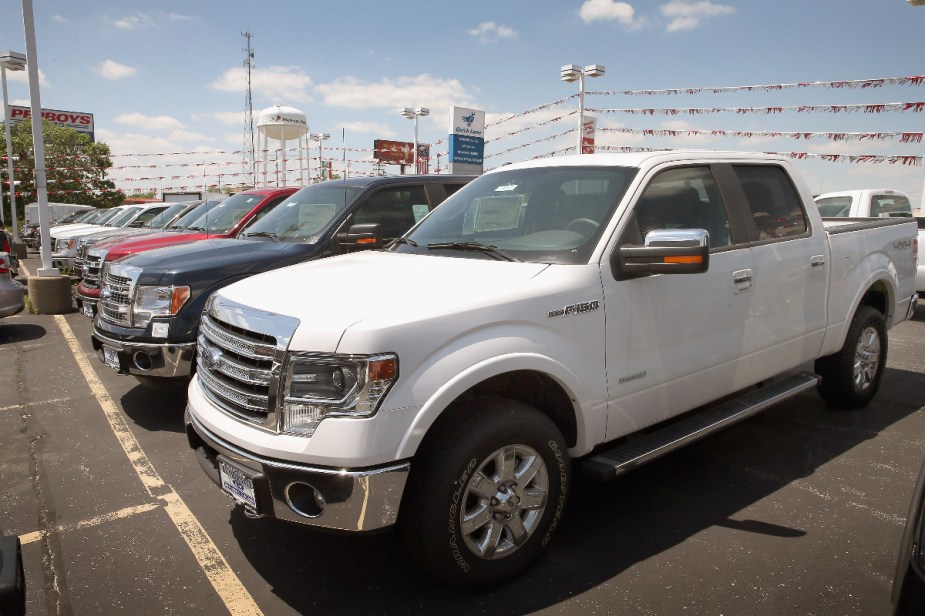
x,y
487,491
851,377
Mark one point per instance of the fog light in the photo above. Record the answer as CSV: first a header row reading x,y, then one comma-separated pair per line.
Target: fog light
x,y
301,418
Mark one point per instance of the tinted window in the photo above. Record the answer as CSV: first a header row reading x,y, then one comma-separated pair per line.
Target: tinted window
x,y
684,198
395,209
775,207
890,206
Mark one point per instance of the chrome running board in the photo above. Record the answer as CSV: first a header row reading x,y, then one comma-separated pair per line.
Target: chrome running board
x,y
614,462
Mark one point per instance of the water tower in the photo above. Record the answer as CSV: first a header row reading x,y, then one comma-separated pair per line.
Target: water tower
x,y
282,124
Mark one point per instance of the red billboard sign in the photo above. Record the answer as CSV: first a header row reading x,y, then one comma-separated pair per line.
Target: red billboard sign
x,y
393,152
78,120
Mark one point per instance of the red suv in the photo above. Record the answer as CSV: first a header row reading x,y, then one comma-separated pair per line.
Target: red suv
x,y
224,220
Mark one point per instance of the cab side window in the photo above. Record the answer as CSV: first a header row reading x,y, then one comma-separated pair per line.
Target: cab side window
x,y
684,198
775,207
395,209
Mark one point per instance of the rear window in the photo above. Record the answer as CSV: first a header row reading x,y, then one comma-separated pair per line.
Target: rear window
x,y
834,207
890,206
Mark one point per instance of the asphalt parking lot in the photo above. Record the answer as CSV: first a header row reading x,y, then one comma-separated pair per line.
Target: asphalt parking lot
x,y
798,510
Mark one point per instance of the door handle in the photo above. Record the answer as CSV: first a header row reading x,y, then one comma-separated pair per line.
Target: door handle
x,y
742,276
817,261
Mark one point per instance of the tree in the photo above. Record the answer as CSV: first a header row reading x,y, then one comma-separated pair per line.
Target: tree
x,y
75,167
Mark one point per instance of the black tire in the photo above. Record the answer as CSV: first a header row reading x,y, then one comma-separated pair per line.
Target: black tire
x,y
851,377
512,513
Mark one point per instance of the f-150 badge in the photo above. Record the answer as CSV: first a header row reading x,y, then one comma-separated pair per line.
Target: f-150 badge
x,y
575,309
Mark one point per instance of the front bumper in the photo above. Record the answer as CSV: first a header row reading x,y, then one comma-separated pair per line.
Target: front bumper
x,y
166,360
64,260
355,500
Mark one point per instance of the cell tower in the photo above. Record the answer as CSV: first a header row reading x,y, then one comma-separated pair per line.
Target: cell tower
x,y
248,160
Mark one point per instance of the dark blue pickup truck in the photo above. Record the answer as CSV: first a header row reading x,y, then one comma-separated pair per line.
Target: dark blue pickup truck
x,y
148,315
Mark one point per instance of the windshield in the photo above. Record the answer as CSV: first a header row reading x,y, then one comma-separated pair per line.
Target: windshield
x,y
306,213
71,217
108,215
834,207
126,216
541,215
188,218
162,218
223,217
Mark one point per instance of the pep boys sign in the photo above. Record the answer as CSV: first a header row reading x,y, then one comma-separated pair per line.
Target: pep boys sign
x,y
78,120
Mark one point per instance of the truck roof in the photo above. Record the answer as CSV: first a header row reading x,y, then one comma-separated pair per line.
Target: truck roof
x,y
638,159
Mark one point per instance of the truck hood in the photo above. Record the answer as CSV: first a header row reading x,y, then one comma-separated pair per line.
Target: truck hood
x,y
66,234
213,260
378,289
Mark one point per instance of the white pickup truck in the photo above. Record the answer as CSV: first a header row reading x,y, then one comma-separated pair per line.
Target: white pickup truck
x,y
596,310
873,203
866,203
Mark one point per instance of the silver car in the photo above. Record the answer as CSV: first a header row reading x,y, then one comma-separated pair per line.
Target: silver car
x,y
11,292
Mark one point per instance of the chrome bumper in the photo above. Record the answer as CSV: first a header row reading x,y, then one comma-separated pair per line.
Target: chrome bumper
x,y
146,359
354,500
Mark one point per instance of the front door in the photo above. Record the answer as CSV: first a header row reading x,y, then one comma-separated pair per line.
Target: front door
x,y
677,341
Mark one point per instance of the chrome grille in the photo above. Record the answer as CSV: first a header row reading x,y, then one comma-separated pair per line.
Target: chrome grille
x,y
239,359
91,270
237,369
115,299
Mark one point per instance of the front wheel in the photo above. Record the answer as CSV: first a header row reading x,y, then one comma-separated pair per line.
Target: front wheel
x,y
487,491
851,377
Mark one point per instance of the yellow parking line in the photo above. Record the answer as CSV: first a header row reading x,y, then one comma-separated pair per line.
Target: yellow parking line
x,y
232,592
102,519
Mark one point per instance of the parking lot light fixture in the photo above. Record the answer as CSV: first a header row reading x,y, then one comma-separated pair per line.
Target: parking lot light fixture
x,y
414,114
10,61
319,137
572,72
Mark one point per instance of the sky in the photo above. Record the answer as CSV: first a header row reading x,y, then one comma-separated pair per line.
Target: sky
x,y
166,84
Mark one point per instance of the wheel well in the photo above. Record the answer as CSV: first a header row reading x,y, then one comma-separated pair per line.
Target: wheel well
x,y
535,389
878,298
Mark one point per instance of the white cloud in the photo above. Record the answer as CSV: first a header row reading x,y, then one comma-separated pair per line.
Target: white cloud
x,y
685,15
185,135
114,71
379,129
149,122
223,117
608,10
279,84
489,32
60,19
179,17
422,90
129,143
133,22
23,77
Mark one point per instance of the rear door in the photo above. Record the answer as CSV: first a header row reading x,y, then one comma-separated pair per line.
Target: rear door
x,y
790,269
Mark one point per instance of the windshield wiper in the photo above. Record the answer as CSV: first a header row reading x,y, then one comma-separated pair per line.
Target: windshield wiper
x,y
405,240
268,234
195,229
473,247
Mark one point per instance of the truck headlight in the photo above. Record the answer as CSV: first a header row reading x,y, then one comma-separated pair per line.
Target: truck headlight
x,y
157,302
63,244
319,386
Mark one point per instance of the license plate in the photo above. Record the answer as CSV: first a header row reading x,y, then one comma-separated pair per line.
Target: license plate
x,y
88,310
238,483
111,357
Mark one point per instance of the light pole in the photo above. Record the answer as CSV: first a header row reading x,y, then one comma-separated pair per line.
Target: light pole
x,y
414,114
319,137
13,61
572,72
